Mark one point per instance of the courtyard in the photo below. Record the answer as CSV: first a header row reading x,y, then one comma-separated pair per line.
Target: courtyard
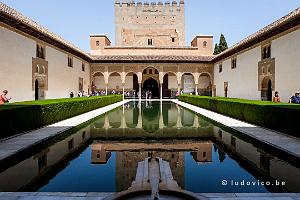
x,y
148,115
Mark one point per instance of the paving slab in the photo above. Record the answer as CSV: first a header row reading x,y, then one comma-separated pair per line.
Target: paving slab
x,y
286,143
14,145
218,195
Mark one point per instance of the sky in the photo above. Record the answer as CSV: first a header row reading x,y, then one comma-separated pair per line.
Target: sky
x,y
75,20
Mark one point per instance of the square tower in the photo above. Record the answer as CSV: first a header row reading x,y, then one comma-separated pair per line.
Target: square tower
x,y
155,24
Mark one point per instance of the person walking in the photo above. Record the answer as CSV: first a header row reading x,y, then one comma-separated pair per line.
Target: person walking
x,y
276,98
3,98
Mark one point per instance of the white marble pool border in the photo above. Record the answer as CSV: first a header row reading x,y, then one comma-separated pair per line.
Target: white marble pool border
x,y
286,143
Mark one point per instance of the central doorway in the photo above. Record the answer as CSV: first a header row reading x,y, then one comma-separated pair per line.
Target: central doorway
x,y
151,85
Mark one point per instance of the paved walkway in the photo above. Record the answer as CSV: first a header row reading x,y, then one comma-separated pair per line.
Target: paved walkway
x,y
281,141
101,196
19,143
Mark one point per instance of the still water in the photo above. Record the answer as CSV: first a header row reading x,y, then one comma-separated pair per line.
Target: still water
x,y
104,155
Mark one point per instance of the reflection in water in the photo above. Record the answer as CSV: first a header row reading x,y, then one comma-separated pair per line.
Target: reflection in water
x,y
151,119
128,155
200,155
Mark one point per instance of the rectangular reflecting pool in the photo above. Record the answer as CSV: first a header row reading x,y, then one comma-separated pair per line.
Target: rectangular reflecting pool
x,y
104,155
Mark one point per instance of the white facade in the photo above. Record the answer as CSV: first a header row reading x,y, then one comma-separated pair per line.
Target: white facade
x,y
16,55
243,80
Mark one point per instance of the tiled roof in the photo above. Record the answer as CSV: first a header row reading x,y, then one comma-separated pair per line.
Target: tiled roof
x,y
152,58
32,24
262,32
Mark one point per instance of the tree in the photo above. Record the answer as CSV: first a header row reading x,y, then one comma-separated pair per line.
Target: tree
x,y
217,49
222,46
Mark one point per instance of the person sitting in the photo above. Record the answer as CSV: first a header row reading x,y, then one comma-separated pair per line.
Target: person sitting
x,y
295,99
276,98
3,98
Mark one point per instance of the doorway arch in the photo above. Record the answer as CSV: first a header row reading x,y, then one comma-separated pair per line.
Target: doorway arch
x,y
151,85
266,89
188,83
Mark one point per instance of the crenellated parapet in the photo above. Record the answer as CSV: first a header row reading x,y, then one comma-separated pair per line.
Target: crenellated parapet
x,y
145,4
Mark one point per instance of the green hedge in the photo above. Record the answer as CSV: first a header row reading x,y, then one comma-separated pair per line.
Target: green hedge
x,y
281,117
24,116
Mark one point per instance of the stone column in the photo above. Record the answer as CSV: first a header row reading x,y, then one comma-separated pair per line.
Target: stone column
x,y
161,92
106,86
140,91
161,81
140,119
196,81
161,119
123,91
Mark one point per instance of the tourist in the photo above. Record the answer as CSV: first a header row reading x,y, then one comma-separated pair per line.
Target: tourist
x,y
276,98
71,94
79,94
113,92
4,99
295,99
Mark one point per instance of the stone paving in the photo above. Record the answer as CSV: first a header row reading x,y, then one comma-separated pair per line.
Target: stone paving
x,y
19,143
286,143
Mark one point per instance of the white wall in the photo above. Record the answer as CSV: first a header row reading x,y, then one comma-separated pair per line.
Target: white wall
x,y
63,79
243,80
16,52
286,51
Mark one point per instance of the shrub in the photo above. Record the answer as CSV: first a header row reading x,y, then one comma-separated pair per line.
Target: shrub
x,y
281,117
24,116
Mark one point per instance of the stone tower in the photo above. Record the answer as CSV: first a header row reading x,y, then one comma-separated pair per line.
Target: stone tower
x,y
155,24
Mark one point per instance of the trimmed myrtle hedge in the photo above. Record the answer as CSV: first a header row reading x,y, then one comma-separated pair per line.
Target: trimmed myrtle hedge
x,y
281,117
24,116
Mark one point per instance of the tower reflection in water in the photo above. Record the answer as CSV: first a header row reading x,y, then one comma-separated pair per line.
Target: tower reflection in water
x,y
129,154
